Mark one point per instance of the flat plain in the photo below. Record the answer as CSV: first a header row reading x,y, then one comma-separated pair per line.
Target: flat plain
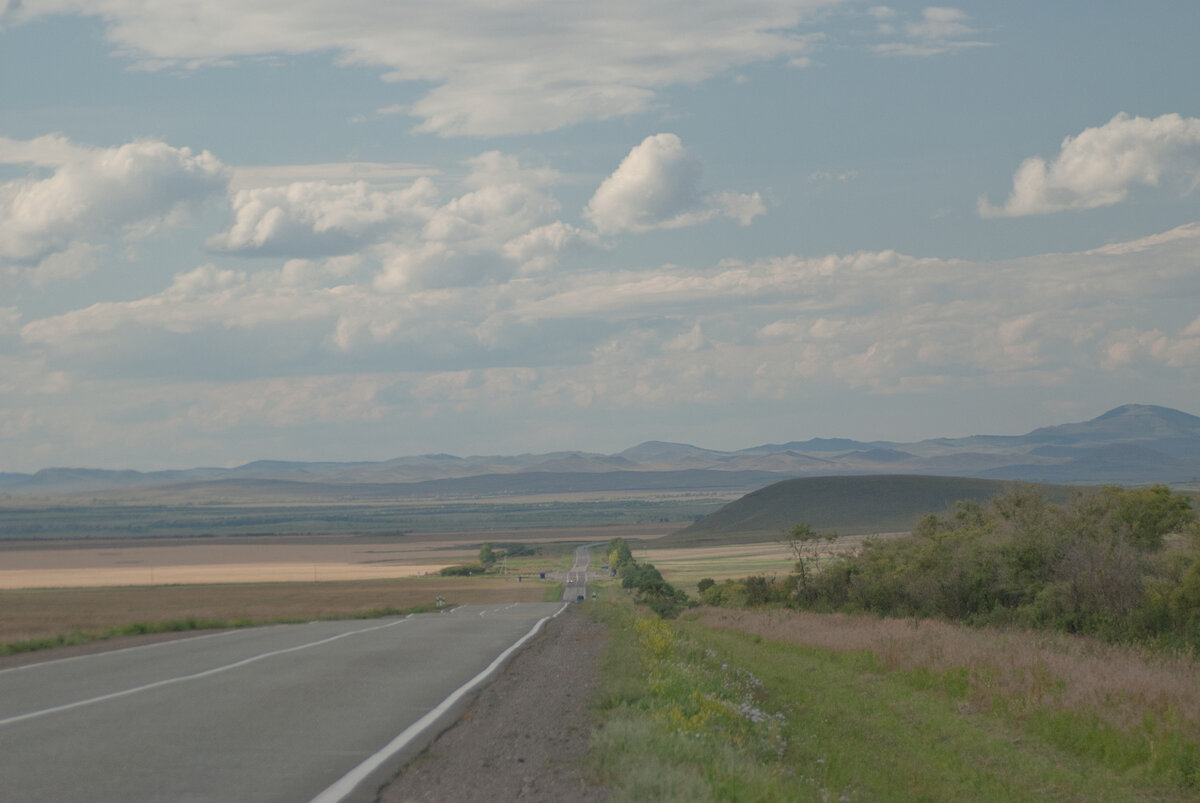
x,y
81,589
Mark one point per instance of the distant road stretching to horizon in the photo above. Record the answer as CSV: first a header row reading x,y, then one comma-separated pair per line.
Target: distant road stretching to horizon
x,y
279,713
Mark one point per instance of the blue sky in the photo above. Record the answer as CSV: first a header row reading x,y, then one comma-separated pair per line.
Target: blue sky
x,y
358,230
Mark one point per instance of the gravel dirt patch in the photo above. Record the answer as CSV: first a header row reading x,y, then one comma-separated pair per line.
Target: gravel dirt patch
x,y
526,734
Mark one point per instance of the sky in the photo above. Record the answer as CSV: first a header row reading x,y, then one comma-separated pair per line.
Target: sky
x,y
290,229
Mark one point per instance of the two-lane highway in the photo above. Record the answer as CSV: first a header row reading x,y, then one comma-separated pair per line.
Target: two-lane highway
x,y
275,713
575,586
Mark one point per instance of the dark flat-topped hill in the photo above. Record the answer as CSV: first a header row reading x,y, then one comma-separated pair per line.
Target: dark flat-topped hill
x,y
849,505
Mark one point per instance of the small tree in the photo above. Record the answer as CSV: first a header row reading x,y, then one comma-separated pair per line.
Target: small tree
x,y
806,545
619,554
487,555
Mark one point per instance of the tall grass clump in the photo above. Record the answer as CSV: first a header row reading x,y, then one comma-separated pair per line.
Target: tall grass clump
x,y
689,711
1128,710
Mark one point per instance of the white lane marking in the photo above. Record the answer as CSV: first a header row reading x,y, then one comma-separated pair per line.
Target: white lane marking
x,y
53,661
182,678
342,788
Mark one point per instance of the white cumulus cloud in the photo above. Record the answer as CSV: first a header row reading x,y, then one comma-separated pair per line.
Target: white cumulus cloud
x,y
657,186
95,192
1101,165
495,222
318,217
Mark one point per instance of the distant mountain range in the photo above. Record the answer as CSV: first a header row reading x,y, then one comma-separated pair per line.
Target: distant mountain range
x,y
1132,444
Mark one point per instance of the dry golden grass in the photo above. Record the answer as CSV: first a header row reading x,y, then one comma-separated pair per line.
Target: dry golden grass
x,y
684,566
1034,670
27,615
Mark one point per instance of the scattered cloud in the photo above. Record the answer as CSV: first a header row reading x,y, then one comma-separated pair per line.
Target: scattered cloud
x,y
828,176
939,30
75,195
1099,166
1180,350
657,186
495,68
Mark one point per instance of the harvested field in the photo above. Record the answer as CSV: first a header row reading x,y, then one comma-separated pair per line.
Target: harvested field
x,y
74,564
223,563
684,566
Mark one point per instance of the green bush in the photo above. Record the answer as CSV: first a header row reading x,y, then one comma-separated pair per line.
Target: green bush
x,y
466,570
1098,565
1123,564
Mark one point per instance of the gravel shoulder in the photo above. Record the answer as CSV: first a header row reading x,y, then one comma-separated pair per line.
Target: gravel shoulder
x,y
525,735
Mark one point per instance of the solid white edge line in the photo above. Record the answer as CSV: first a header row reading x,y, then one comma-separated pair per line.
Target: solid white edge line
x,y
342,788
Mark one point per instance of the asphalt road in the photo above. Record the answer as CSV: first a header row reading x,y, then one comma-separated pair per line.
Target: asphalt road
x,y
575,584
266,714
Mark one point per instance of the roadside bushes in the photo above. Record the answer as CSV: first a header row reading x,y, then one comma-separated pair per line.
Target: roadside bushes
x,y
467,570
748,592
1122,564
647,583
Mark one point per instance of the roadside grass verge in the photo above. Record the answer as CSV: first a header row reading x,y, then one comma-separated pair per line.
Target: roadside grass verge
x,y
187,624
44,618
692,712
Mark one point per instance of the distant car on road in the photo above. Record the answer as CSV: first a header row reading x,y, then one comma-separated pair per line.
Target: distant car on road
x,y
579,598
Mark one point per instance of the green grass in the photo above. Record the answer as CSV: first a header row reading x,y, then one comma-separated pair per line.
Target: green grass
x,y
693,713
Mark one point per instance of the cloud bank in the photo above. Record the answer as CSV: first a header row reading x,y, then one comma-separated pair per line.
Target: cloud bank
x,y
505,67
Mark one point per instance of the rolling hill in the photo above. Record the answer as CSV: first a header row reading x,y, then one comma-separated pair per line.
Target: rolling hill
x,y
849,505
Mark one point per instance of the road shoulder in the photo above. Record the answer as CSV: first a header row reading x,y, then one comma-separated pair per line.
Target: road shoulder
x,y
524,736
